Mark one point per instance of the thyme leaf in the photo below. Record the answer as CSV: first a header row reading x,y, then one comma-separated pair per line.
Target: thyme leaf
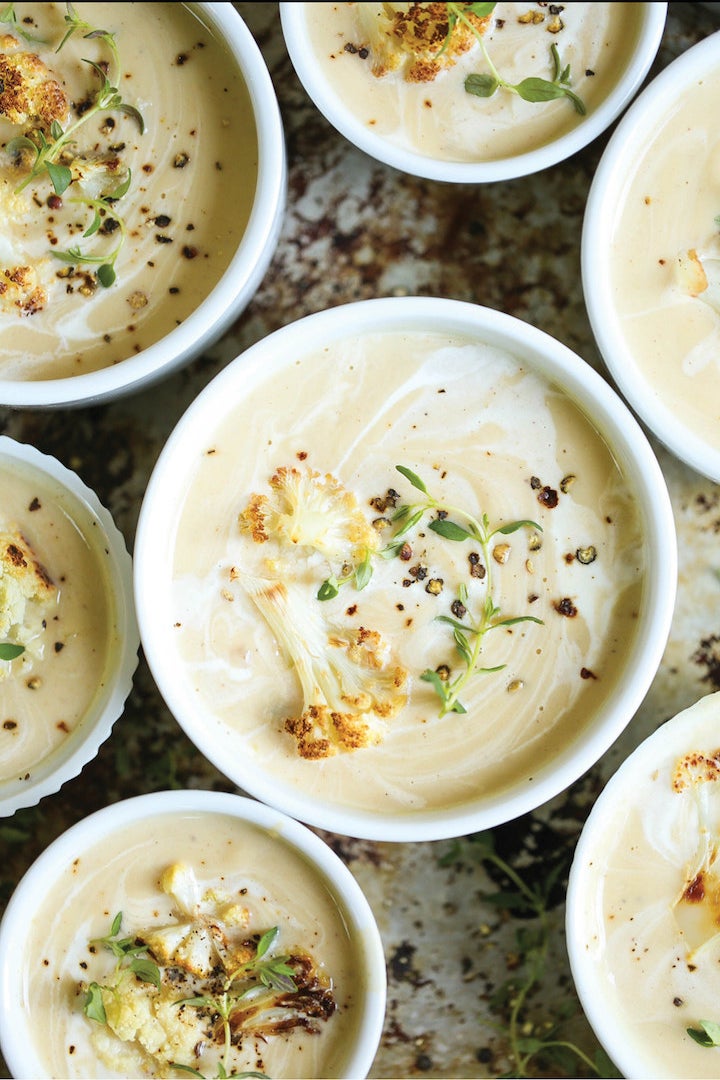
x,y
9,650
131,956
707,1034
532,88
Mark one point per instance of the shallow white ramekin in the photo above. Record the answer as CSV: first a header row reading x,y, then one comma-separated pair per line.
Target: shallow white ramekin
x,y
81,746
506,168
154,558
228,298
655,406
20,1028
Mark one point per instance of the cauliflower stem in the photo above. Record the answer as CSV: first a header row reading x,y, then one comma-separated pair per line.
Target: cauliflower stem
x,y
350,684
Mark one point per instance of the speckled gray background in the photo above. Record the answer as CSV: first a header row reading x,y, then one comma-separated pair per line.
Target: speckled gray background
x,y
356,229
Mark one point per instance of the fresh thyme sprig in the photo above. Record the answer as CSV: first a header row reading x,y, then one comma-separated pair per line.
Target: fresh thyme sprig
x,y
532,88
104,211
9,650
529,1043
74,23
129,956
9,15
261,972
49,148
468,636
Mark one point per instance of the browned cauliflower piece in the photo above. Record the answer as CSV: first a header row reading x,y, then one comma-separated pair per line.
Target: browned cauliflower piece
x,y
413,38
351,684
29,94
164,1009
691,275
23,581
696,907
311,512
20,290
199,940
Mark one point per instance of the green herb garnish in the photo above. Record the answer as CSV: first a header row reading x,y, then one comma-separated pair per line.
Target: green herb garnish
x,y
468,636
9,651
261,977
105,218
50,149
359,575
533,88
707,1034
536,1047
130,956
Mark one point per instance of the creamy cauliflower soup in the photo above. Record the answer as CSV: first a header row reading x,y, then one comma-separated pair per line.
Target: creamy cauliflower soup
x,y
401,69
643,903
58,623
406,569
128,163
177,933
664,261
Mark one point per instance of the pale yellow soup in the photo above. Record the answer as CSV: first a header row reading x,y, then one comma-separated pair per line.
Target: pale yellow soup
x,y
194,173
439,119
647,917
47,693
257,870
485,434
664,260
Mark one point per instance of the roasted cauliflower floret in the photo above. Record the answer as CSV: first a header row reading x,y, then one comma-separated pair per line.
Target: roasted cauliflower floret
x,y
29,95
197,943
97,175
413,38
691,276
696,777
698,276
350,683
25,590
311,511
21,291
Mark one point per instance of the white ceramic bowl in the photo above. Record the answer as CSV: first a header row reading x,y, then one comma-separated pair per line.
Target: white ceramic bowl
x,y
641,910
222,301
228,680
80,901
373,131
36,766
651,205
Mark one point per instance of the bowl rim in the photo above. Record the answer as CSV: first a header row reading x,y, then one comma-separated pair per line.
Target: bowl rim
x,y
416,164
66,761
609,415
241,278
605,193
35,884
652,750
